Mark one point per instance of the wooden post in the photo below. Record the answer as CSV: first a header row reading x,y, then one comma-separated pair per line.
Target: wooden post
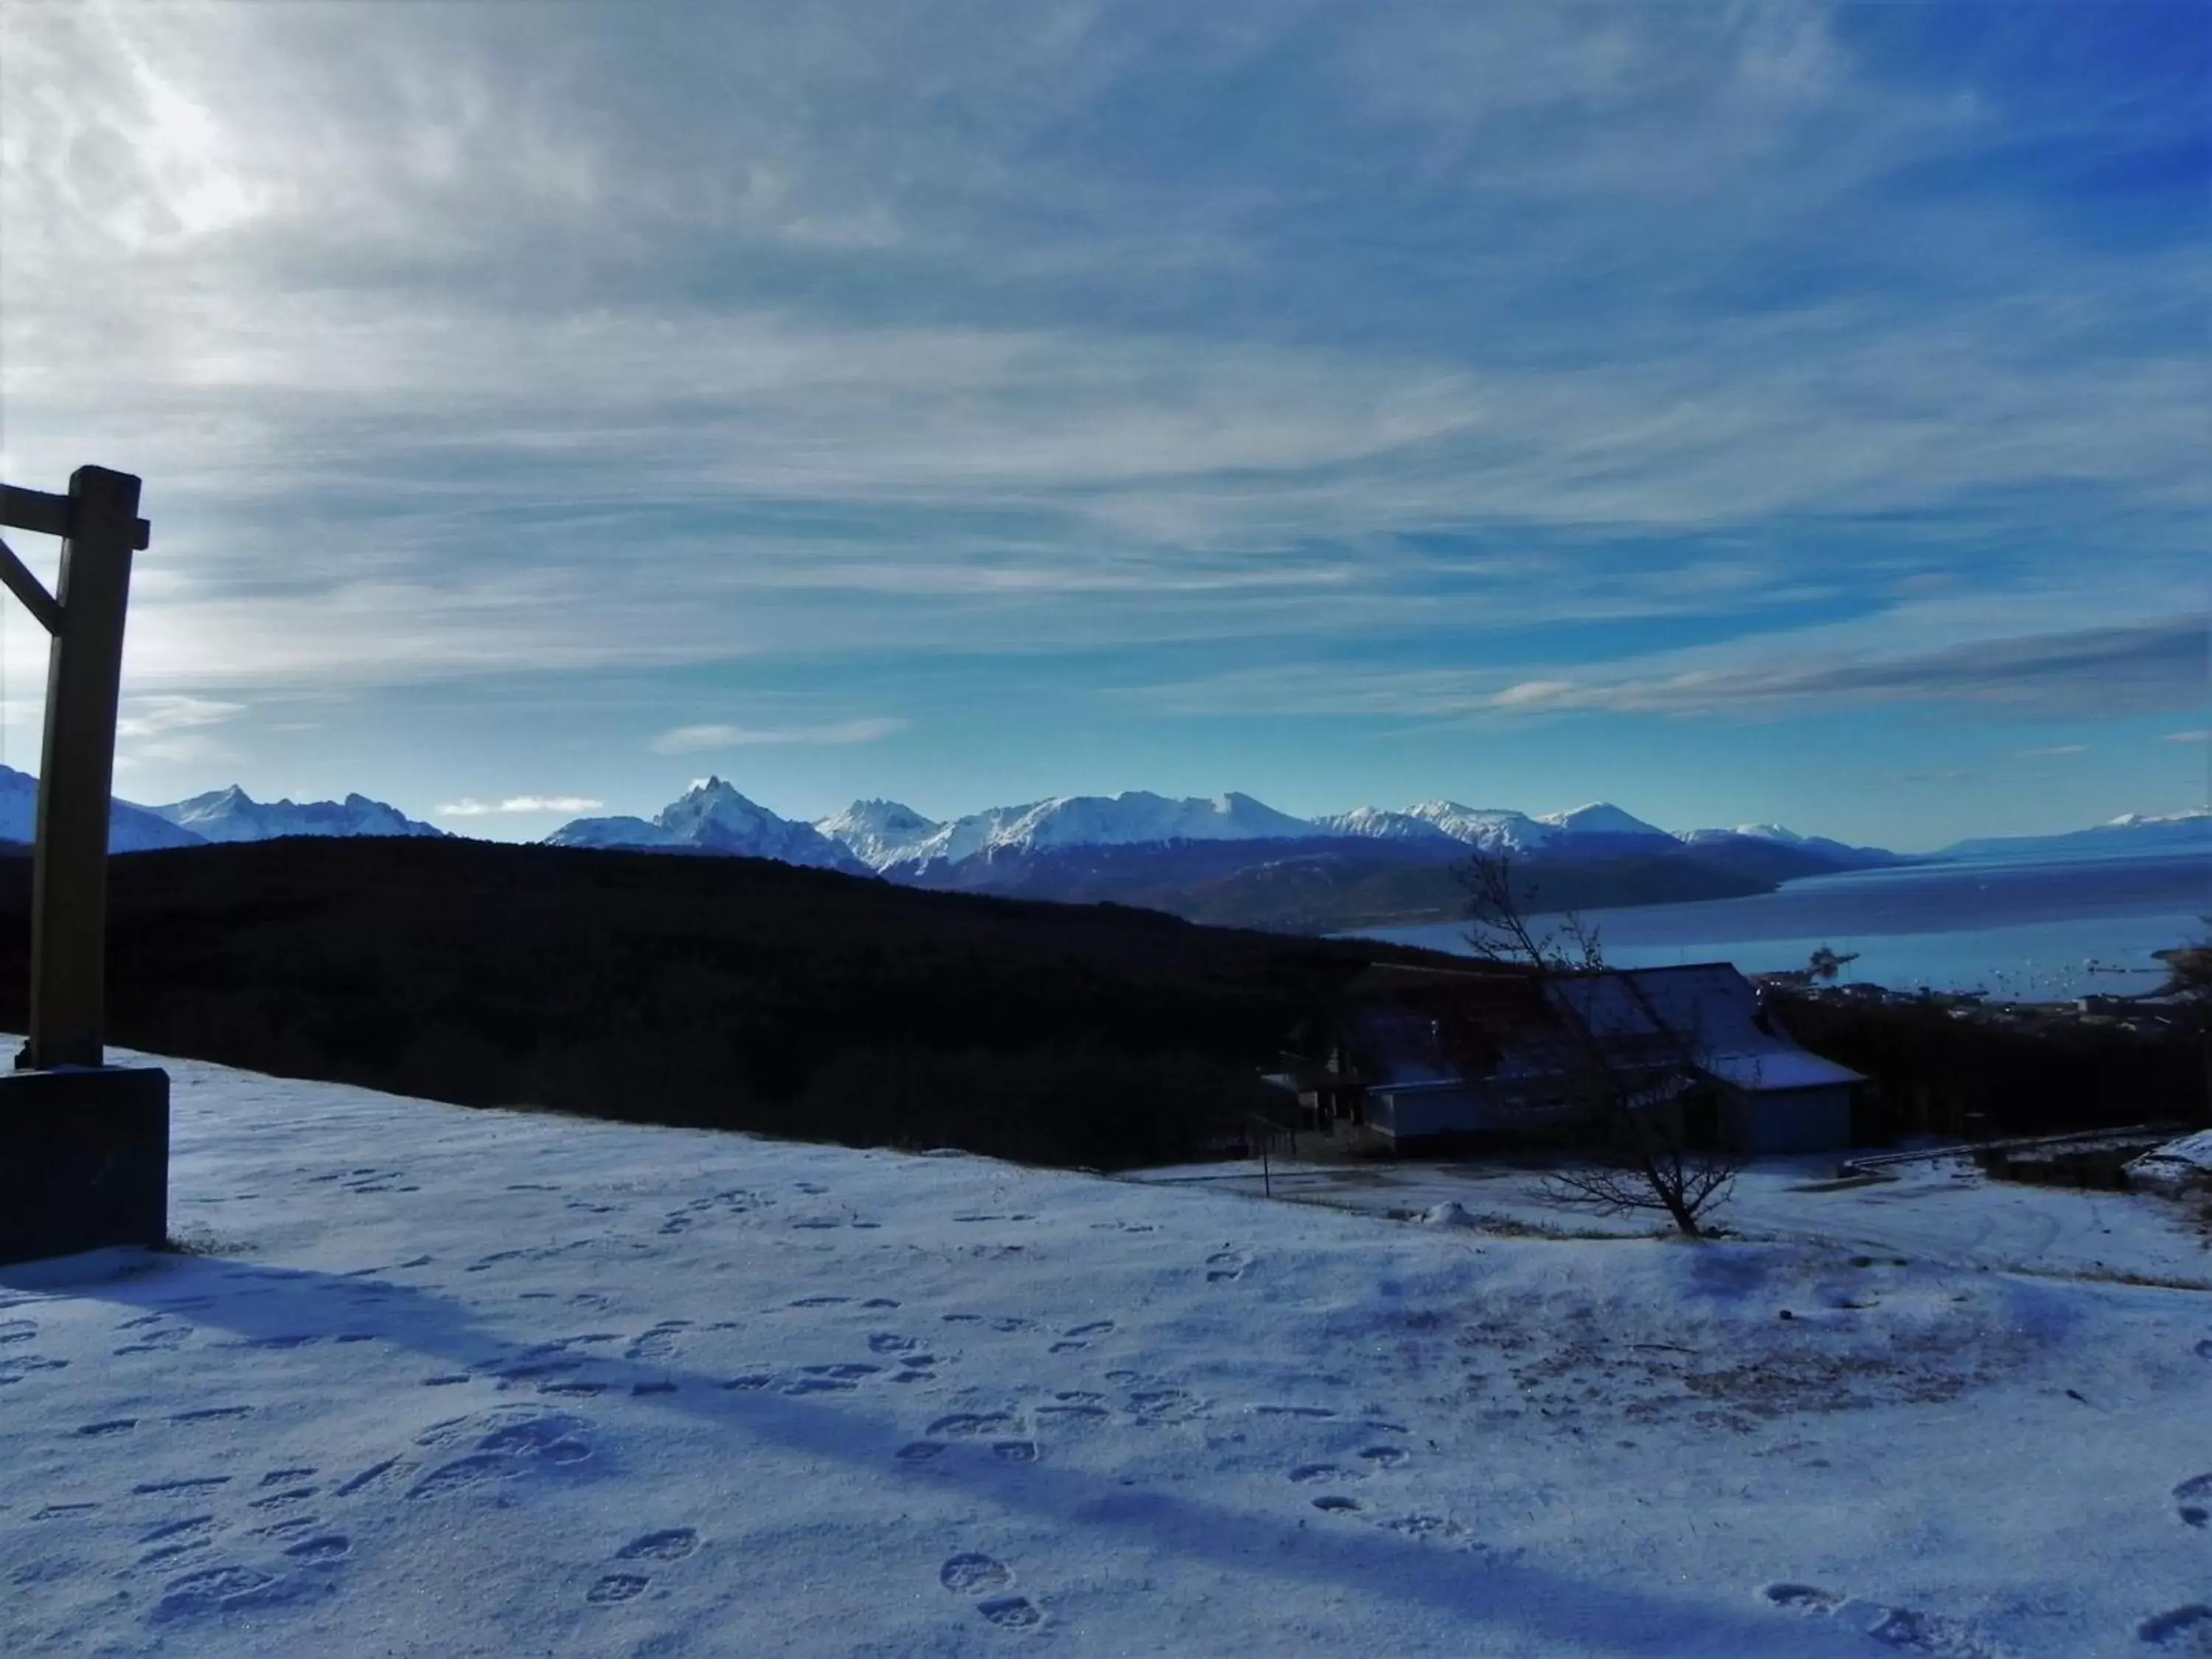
x,y
68,875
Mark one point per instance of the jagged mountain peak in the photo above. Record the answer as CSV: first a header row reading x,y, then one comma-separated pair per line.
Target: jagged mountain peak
x,y
232,815
712,817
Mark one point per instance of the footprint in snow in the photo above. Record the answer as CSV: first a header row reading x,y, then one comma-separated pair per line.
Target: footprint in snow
x,y
1386,1457
1909,1632
1427,1525
511,1446
1305,1473
660,1342
215,1589
1337,1504
1011,1612
1079,1336
670,1543
1905,1629
1165,1405
2193,1499
1801,1598
2191,1624
1225,1264
973,1425
986,1577
617,1586
973,1574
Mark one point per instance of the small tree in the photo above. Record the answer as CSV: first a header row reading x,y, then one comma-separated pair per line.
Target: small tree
x,y
1631,1091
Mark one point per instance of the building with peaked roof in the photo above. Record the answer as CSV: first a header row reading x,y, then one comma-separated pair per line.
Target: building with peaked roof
x,y
1770,1095
1420,1057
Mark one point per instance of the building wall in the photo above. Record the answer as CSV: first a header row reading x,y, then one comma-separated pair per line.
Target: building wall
x,y
1419,1112
1773,1121
1422,1113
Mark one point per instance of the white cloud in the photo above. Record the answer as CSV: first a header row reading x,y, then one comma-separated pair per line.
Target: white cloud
x,y
696,739
2057,748
2200,735
152,716
2126,667
520,805
457,343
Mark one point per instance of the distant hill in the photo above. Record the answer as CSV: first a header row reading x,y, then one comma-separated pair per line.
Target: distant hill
x,y
728,992
2128,834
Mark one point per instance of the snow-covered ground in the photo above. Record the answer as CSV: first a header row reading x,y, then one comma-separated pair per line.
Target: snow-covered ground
x,y
456,1382
1940,1211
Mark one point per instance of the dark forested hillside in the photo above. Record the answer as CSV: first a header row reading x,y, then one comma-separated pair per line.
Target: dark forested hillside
x,y
732,992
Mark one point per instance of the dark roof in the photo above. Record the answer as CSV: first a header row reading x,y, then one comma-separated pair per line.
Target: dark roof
x,y
1428,1026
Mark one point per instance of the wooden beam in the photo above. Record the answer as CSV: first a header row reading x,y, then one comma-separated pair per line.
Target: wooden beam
x,y
69,867
34,509
27,587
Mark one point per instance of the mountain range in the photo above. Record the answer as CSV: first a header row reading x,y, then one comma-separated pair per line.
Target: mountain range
x,y
1228,859
232,815
220,815
1232,858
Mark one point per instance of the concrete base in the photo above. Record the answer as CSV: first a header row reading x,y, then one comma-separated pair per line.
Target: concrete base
x,y
84,1160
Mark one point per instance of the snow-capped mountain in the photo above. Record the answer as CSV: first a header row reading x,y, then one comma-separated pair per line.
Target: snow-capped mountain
x,y
618,832
130,828
878,832
1603,818
711,816
1496,829
2127,836
232,815
1134,818
1381,823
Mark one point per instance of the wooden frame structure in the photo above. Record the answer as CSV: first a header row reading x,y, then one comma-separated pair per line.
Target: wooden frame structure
x,y
98,524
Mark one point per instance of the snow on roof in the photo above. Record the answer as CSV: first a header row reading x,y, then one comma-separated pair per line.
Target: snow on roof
x,y
1707,1008
1777,1069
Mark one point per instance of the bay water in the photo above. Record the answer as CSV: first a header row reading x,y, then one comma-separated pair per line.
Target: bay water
x,y
2022,931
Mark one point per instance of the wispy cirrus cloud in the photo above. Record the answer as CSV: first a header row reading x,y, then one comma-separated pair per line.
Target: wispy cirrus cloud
x,y
2084,674
519,806
2201,735
155,715
1423,362
1591,280
700,739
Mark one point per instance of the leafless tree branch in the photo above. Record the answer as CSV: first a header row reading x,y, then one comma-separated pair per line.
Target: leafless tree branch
x,y
1633,1095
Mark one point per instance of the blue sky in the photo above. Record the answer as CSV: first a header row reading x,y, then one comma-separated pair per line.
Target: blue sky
x,y
1781,412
